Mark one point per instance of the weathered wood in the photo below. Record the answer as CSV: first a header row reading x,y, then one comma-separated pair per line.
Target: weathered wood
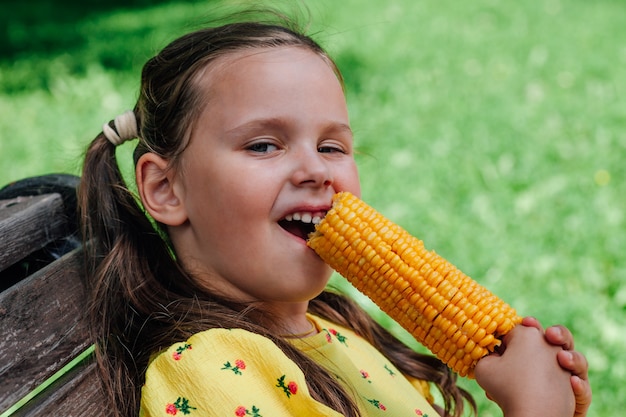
x,y
76,395
42,326
28,224
42,313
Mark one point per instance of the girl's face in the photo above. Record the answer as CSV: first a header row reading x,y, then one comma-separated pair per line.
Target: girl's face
x,y
272,146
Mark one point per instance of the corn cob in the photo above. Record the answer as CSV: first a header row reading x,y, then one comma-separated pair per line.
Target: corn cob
x,y
457,319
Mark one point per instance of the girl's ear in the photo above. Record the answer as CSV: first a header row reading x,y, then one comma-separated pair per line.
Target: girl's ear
x,y
159,191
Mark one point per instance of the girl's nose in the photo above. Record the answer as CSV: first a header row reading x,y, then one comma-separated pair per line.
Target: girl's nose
x,y
312,170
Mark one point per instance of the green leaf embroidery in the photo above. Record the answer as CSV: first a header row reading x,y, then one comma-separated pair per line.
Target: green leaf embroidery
x,y
181,404
239,366
291,388
242,411
377,404
179,351
391,372
342,339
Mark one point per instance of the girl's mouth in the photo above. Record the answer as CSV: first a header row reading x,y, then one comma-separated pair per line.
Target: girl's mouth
x,y
301,224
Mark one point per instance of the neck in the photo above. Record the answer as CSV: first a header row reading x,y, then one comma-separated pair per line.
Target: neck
x,y
289,320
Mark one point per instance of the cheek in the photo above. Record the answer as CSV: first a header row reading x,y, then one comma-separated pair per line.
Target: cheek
x,y
239,212
348,180
227,193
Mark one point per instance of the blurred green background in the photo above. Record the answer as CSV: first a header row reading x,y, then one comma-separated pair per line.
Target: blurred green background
x,y
495,131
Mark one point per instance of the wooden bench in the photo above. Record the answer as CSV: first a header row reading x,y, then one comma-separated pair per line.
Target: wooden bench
x,y
46,360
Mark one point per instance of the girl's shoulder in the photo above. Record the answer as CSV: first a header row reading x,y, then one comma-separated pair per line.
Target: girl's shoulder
x,y
226,371
218,345
215,340
218,339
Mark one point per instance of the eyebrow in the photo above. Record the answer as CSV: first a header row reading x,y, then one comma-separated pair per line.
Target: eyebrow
x,y
275,123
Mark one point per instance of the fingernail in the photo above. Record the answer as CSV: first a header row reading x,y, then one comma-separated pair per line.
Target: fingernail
x,y
557,330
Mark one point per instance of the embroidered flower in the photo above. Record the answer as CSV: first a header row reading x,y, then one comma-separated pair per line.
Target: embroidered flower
x,y
291,388
328,338
339,336
391,372
181,404
377,404
420,413
239,366
243,411
179,351
365,375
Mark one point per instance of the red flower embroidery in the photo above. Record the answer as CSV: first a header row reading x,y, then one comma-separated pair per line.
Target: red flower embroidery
x,y
339,336
290,389
181,404
293,387
243,411
420,413
377,404
365,375
239,366
171,409
179,351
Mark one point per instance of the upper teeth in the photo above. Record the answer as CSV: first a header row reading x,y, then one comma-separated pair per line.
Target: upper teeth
x,y
304,217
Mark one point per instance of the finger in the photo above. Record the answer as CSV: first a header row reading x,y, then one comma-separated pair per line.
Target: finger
x,y
523,329
582,393
485,370
575,362
560,336
532,322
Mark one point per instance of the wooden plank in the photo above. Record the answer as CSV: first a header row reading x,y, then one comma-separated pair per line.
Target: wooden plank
x,y
42,325
78,394
28,224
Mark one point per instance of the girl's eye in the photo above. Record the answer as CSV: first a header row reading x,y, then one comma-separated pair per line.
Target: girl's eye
x,y
330,149
262,147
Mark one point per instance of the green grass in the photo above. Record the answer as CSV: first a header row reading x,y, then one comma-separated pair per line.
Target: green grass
x,y
495,131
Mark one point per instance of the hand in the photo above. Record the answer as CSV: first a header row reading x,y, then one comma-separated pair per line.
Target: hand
x,y
527,379
570,360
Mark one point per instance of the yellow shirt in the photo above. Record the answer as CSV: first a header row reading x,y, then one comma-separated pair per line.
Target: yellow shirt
x,y
222,372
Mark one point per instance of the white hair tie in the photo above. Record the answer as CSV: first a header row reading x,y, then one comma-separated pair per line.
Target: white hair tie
x,y
126,127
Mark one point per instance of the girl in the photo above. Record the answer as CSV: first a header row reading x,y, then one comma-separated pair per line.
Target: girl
x,y
205,298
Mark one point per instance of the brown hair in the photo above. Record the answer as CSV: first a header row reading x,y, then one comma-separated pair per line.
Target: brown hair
x,y
141,300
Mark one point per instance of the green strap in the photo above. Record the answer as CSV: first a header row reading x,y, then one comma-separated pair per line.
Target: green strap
x,y
71,365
